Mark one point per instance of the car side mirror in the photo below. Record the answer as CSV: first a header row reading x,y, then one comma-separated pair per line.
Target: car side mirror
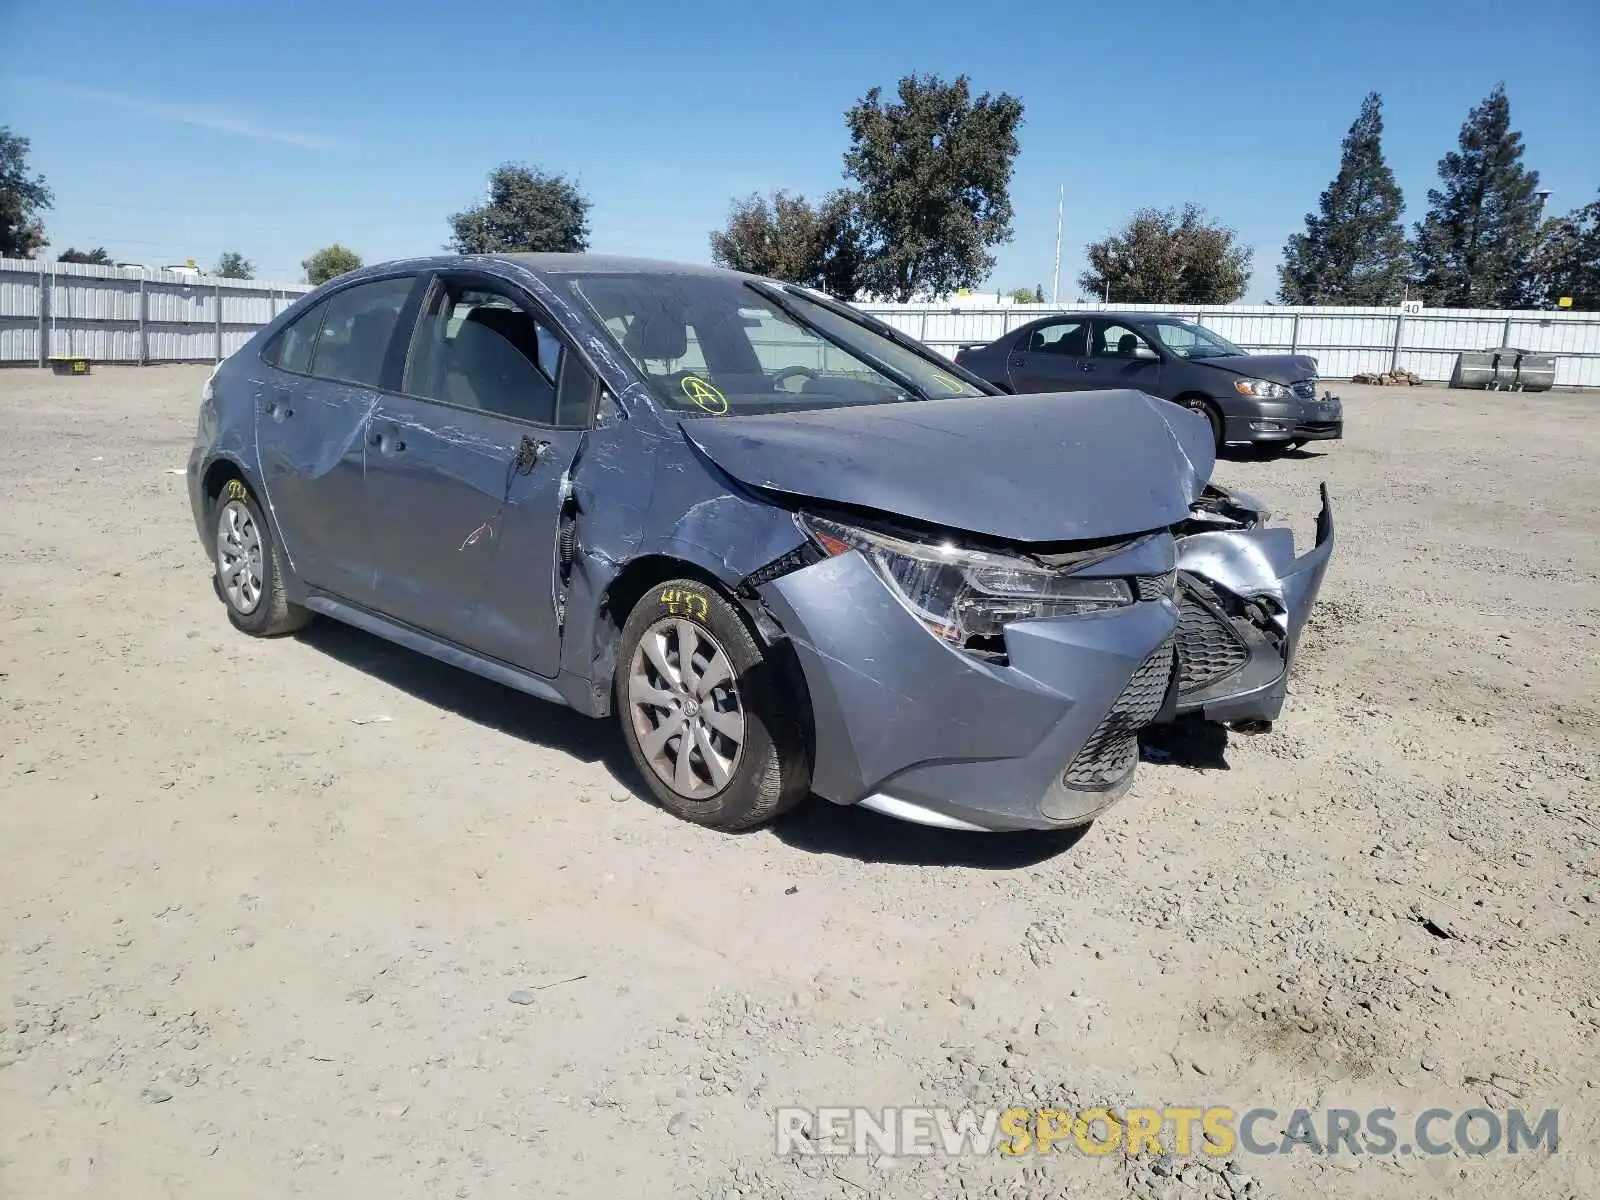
x,y
1145,353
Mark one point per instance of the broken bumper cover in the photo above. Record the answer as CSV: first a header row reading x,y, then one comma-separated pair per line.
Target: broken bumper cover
x,y
1232,667
909,726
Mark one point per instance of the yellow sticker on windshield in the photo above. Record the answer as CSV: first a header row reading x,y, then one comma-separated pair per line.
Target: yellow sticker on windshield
x,y
704,395
949,381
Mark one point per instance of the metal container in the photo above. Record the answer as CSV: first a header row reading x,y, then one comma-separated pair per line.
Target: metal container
x,y
1505,369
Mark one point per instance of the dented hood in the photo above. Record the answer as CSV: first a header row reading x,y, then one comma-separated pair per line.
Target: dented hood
x,y
1043,467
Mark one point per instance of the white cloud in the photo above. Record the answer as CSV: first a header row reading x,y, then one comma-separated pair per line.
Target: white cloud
x,y
201,116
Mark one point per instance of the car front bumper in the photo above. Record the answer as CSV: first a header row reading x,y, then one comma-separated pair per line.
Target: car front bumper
x,y
906,725
1277,421
1243,599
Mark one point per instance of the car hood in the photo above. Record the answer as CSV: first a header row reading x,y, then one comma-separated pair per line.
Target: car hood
x,y
1042,467
1274,368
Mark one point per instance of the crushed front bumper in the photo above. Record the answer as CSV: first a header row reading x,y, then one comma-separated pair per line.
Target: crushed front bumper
x,y
1243,598
907,725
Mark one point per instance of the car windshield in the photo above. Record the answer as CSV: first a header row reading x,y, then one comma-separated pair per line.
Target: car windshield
x,y
1193,341
714,345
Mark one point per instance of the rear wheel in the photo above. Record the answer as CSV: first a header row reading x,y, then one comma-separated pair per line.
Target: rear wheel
x,y
707,719
1208,410
249,567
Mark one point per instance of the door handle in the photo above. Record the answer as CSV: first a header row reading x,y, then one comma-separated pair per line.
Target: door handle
x,y
530,453
386,441
1086,366
278,410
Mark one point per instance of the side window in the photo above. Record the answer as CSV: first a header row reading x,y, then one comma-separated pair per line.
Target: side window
x,y
291,349
1116,341
1063,337
357,325
478,348
575,394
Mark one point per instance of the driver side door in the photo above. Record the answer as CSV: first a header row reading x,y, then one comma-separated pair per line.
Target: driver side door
x,y
1122,357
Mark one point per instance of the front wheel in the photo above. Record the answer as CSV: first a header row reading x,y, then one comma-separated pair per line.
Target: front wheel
x,y
706,715
1198,404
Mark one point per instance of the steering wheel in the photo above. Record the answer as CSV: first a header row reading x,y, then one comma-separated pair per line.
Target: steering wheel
x,y
785,372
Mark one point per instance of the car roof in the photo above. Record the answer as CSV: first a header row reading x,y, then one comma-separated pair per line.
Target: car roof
x,y
612,264
1113,316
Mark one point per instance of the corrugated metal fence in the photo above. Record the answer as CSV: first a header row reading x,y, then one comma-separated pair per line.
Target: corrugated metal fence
x,y
1344,341
110,315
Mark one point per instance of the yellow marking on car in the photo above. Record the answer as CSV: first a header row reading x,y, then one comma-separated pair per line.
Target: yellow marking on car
x,y
704,395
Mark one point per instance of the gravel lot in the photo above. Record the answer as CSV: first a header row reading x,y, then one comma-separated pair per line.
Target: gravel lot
x,y
320,917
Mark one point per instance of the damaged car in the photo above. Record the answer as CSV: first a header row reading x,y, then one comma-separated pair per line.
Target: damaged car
x,y
787,547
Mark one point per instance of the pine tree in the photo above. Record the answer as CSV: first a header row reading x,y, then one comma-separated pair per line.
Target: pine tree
x,y
1475,246
1355,251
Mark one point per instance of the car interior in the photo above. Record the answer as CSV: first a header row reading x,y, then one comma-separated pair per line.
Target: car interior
x,y
758,361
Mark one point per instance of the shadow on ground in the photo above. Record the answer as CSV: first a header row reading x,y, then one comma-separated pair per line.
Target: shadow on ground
x,y
821,827
816,826
478,700
1189,742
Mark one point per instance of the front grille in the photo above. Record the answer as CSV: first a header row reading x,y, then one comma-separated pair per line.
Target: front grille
x,y
1208,647
1153,587
1306,389
1113,747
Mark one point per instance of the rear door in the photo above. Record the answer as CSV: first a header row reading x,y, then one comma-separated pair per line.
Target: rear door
x,y
325,369
1051,357
465,468
1121,357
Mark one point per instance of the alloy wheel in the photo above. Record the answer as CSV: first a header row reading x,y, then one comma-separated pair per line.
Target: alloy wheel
x,y
684,702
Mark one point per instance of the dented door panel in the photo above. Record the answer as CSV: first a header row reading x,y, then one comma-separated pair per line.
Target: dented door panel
x,y
515,618
310,447
438,480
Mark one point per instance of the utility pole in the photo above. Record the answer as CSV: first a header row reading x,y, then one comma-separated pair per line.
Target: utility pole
x,y
1055,286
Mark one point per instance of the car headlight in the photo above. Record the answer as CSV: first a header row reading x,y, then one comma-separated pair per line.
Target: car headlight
x,y
967,596
1260,389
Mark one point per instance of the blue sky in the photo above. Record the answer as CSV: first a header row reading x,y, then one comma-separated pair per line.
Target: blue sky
x,y
174,129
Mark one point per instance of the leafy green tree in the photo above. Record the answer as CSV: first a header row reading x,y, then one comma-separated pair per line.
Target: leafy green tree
x,y
784,236
932,179
1474,247
1567,260
329,263
22,198
528,209
1354,250
1033,295
1168,256
96,257
233,265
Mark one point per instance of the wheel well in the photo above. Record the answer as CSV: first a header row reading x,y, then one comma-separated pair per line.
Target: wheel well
x,y
216,478
638,577
625,590
1209,402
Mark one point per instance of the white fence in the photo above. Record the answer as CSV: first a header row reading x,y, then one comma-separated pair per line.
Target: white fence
x,y
1344,341
109,315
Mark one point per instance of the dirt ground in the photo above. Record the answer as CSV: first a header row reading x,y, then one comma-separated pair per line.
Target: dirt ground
x,y
320,917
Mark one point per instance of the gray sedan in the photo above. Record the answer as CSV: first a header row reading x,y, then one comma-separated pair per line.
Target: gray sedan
x,y
788,548
1248,399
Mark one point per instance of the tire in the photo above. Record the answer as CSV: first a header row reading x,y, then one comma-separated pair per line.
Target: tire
x,y
1208,410
248,566
732,770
